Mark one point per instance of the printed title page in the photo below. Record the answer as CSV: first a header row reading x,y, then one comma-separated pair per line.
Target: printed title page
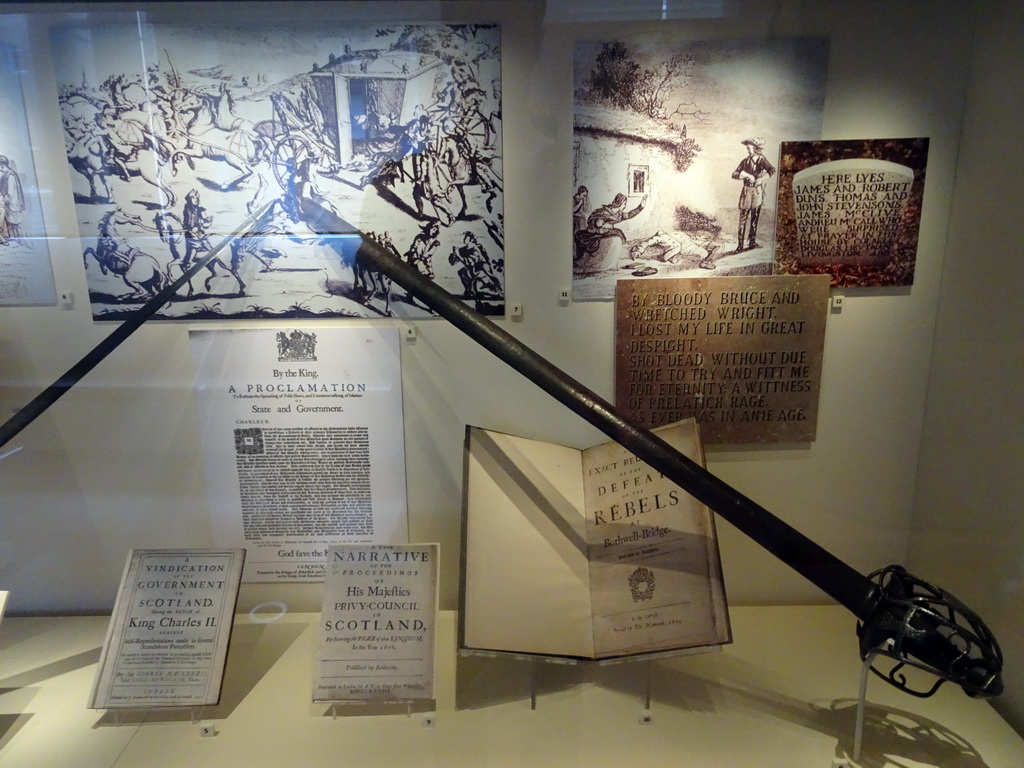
x,y
303,442
167,641
378,624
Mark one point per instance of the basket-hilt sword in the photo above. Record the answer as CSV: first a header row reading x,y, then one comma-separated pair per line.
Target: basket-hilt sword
x,y
900,617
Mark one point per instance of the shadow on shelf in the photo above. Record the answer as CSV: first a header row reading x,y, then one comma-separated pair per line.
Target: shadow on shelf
x,y
254,650
890,735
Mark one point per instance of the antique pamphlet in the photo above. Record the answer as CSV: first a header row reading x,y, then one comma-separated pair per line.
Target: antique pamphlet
x,y
304,443
378,623
168,636
593,553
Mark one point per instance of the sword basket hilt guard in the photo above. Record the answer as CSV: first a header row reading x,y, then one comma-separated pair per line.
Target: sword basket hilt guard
x,y
920,625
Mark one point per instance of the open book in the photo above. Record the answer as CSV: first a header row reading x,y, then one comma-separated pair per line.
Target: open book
x,y
589,554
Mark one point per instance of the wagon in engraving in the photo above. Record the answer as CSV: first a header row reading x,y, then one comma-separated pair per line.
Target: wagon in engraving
x,y
345,110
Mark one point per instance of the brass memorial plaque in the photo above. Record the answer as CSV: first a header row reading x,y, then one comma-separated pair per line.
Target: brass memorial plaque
x,y
741,355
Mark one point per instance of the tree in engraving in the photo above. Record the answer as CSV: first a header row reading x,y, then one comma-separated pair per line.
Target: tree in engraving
x,y
618,80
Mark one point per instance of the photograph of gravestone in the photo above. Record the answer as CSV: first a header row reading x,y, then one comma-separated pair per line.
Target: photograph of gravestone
x,y
851,209
178,137
675,152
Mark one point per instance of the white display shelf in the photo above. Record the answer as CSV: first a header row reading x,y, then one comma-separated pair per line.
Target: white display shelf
x,y
783,694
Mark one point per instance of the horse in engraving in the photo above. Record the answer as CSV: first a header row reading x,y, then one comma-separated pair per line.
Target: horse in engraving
x,y
140,271
211,131
104,142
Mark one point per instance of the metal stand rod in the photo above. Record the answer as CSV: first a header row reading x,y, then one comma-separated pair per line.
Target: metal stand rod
x,y
534,673
647,691
858,724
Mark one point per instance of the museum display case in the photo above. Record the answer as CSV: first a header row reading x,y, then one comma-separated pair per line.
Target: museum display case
x,y
196,158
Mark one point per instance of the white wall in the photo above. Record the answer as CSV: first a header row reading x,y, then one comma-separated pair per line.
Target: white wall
x,y
116,464
968,526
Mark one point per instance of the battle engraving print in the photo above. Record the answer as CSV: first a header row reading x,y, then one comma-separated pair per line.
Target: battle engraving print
x,y
25,273
676,147
177,137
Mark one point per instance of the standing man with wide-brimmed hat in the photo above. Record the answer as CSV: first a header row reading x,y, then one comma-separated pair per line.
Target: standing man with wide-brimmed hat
x,y
754,171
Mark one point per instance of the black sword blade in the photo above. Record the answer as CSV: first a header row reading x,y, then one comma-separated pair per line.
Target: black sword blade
x,y
35,408
839,580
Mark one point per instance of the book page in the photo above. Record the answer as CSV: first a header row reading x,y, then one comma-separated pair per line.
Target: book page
x,y
378,623
525,575
655,578
167,641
